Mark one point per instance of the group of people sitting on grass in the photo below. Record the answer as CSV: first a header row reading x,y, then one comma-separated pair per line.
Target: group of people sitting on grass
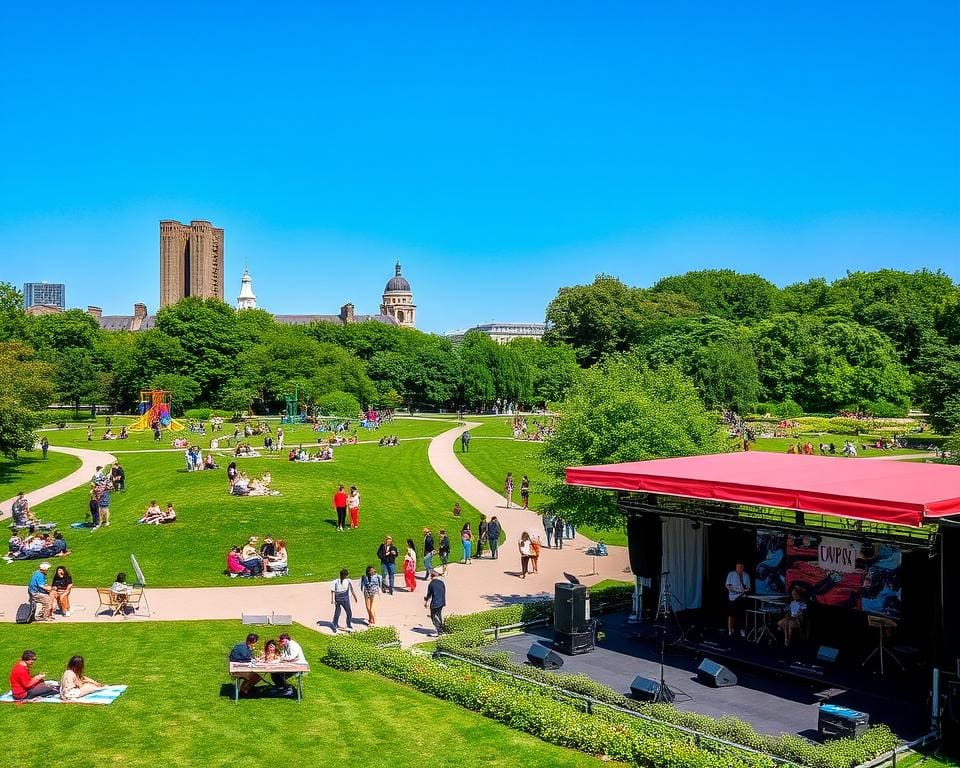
x,y
73,684
196,460
538,431
323,453
248,561
241,484
245,451
389,440
31,544
23,517
156,516
110,435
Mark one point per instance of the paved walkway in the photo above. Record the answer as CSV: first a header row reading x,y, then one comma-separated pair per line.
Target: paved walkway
x,y
482,584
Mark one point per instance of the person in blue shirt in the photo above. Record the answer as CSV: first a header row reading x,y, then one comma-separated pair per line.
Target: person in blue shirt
x,y
242,653
39,592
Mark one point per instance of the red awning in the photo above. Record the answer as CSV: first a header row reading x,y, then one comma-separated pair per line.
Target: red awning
x,y
882,491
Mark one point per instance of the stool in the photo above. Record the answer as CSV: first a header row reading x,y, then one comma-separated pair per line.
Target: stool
x,y
882,624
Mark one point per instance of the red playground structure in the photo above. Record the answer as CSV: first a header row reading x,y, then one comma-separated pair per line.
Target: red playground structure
x,y
155,408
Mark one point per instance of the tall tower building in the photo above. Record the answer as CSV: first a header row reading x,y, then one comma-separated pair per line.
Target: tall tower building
x,y
191,261
398,300
45,294
246,299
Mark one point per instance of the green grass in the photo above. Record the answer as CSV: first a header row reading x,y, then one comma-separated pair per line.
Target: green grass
x,y
490,460
76,436
780,444
400,493
174,713
30,471
926,761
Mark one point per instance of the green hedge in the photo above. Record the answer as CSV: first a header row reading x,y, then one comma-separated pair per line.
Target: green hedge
x,y
538,712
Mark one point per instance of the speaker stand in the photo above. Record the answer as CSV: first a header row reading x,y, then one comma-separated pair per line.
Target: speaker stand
x,y
664,694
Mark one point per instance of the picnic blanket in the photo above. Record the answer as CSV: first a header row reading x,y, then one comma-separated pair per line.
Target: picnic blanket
x,y
106,695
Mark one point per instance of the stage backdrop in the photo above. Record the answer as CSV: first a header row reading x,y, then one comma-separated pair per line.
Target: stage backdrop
x,y
844,573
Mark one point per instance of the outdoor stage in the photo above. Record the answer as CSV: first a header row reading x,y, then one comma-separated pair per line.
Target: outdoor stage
x,y
770,695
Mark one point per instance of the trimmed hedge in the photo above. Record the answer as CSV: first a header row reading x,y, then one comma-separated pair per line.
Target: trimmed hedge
x,y
537,712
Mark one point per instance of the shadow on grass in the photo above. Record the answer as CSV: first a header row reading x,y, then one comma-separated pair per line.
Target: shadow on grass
x,y
11,471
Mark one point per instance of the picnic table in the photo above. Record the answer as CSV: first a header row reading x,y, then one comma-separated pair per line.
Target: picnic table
x,y
261,667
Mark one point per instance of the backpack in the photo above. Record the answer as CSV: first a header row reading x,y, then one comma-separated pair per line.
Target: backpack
x,y
25,613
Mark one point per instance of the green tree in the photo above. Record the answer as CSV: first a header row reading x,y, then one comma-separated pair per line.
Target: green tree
x,y
184,391
623,411
25,388
77,377
13,319
553,369
478,355
341,404
726,376
73,329
725,293
938,385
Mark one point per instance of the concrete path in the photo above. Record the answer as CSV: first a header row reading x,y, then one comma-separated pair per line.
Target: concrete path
x,y
482,584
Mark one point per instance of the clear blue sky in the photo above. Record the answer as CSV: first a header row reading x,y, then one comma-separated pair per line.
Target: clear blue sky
x,y
499,150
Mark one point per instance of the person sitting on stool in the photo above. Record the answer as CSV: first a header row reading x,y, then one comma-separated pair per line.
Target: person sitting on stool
x,y
738,585
793,616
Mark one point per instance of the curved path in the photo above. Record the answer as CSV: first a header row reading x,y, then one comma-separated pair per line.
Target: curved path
x,y
480,585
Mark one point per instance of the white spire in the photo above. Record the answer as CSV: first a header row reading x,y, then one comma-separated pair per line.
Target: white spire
x,y
246,299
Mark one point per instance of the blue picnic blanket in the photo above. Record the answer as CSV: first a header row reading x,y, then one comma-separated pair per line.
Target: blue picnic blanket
x,y
105,695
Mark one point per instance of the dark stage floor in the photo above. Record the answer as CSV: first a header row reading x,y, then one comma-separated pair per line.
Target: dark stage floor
x,y
771,695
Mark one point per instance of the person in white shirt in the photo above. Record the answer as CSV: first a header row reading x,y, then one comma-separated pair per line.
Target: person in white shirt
x,y
793,617
340,593
738,586
290,653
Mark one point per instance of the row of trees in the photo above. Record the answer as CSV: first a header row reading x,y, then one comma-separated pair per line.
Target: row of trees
x,y
881,340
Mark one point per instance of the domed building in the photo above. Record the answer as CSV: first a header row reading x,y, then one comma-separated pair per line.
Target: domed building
x,y
398,300
247,299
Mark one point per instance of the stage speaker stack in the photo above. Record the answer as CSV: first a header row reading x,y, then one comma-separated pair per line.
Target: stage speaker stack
x,y
835,722
645,689
542,657
716,675
572,627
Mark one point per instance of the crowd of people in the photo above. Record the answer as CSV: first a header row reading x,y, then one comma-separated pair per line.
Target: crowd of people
x,y
525,429
241,484
249,561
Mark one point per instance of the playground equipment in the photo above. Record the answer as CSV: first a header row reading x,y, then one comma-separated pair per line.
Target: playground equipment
x,y
155,407
292,414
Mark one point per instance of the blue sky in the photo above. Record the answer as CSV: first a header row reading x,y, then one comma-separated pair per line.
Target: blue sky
x,y
499,150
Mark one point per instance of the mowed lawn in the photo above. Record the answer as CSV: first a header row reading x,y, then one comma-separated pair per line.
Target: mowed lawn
x,y
76,436
490,458
399,490
781,444
30,471
175,711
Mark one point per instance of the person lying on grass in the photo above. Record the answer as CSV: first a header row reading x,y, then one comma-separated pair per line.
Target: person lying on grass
x,y
156,516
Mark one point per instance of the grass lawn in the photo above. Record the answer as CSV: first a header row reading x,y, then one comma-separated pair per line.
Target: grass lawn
x,y
400,494
490,460
30,471
174,713
780,444
926,761
76,436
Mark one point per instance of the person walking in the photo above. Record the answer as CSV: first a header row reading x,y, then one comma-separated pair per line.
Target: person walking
x,y
481,535
525,551
465,441
508,489
44,446
436,598
353,506
493,536
548,528
340,593
466,540
535,553
340,504
444,550
428,552
558,526
370,585
387,554
410,566
280,439
525,492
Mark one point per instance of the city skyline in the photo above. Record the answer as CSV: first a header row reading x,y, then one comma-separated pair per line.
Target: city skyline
x,y
498,154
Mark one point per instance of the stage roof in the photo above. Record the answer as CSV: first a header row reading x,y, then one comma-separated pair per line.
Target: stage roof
x,y
879,490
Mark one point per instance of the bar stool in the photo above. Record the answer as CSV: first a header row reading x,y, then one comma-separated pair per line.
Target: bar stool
x,y
882,624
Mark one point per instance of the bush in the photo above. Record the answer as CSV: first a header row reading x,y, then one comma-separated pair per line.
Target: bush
x,y
197,414
841,425
338,404
881,409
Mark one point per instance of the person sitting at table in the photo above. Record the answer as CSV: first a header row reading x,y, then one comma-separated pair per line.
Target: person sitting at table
x,y
74,684
153,515
25,686
290,653
271,652
794,615
250,557
242,653
738,586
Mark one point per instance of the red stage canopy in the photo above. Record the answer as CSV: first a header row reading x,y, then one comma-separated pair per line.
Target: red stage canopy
x,y
881,491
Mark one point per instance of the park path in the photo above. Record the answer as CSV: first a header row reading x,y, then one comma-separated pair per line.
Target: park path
x,y
483,584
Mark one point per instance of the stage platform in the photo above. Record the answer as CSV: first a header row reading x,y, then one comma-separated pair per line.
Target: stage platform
x,y
778,691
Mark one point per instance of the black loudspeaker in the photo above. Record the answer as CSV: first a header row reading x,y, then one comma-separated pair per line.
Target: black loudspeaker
x,y
543,657
571,608
644,541
827,654
717,675
835,722
572,643
645,689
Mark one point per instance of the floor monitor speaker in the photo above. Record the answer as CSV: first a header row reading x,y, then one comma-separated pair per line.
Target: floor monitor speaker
x,y
827,654
542,657
645,689
573,643
717,675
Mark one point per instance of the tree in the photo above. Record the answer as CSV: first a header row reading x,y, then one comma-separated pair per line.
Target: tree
x,y
725,293
725,374
25,388
184,391
77,378
478,354
64,330
938,385
341,404
13,319
621,411
553,369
